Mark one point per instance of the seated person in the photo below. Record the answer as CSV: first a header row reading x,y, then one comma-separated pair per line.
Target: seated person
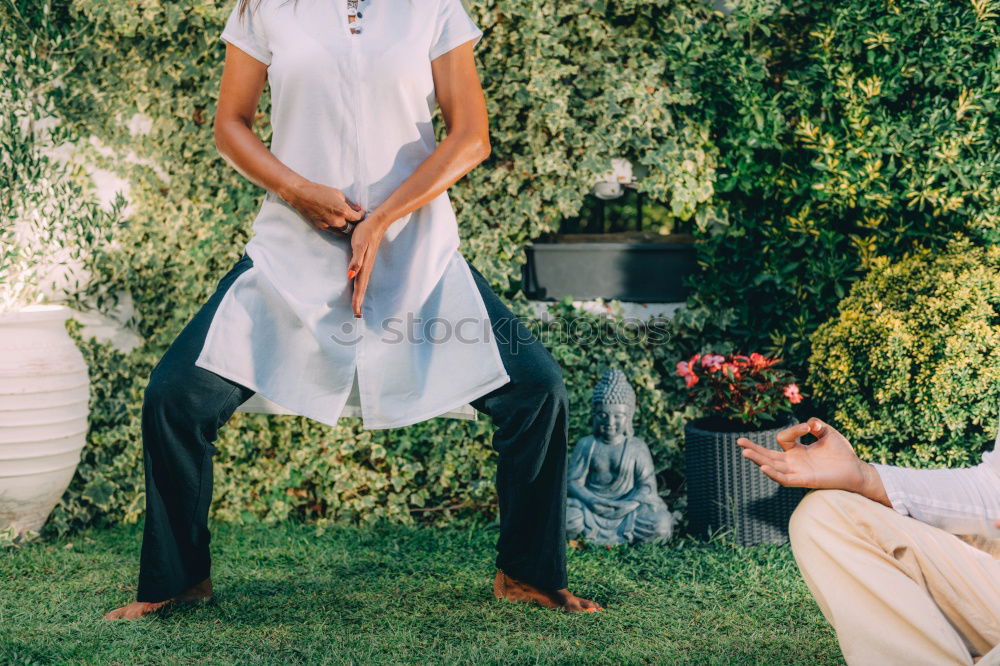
x,y
902,562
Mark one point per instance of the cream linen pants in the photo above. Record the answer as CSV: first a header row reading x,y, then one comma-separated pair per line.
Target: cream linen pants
x,y
896,590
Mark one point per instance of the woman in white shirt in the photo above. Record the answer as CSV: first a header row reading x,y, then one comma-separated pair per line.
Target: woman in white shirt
x,y
903,562
352,286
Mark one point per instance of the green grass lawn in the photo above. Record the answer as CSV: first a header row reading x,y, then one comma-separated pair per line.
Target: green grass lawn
x,y
393,594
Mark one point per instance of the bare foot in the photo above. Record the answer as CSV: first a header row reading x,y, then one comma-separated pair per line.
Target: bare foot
x,y
511,589
200,592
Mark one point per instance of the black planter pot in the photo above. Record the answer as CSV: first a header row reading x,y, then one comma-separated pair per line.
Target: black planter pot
x,y
643,272
727,491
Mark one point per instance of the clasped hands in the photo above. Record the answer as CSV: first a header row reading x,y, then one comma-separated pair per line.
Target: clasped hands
x,y
327,209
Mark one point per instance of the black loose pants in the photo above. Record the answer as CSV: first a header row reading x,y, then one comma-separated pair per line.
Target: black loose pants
x,y
185,405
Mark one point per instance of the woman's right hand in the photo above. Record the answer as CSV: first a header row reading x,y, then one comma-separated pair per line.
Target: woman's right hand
x,y
325,208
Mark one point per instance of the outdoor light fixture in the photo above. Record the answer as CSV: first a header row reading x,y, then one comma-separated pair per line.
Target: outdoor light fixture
x,y
611,184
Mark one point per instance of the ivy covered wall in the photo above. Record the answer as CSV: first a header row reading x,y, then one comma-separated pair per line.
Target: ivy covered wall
x,y
798,140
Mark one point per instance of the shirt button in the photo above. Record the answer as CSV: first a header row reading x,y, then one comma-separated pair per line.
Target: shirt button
x,y
359,14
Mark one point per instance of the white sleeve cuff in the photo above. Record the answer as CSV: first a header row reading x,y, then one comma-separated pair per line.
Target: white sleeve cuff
x,y
247,47
893,480
442,48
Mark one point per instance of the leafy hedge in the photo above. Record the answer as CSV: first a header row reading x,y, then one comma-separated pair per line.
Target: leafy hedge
x,y
765,131
875,130
272,467
568,89
910,367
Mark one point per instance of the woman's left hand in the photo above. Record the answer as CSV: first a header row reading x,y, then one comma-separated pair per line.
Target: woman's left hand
x,y
829,462
365,240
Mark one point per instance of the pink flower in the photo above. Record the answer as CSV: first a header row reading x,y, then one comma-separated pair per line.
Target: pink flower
x,y
712,361
792,393
686,370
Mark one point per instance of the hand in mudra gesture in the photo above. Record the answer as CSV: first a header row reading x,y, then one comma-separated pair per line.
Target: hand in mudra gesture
x,y
829,462
365,241
326,208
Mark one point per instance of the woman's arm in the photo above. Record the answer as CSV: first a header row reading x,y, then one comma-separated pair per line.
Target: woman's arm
x,y
463,107
460,95
243,80
960,501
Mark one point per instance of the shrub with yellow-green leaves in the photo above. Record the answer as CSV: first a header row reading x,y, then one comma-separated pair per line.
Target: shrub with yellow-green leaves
x,y
910,367
878,129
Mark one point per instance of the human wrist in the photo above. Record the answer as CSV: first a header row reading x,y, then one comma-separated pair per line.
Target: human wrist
x,y
291,190
377,219
871,485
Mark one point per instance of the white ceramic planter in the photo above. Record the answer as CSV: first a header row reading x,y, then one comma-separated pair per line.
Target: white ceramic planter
x,y
44,393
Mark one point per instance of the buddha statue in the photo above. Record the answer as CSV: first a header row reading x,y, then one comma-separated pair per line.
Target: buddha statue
x,y
612,480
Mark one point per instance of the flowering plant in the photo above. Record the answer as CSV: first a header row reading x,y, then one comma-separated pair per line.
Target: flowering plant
x,y
747,389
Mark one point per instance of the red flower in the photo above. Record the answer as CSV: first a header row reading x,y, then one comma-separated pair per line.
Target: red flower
x,y
792,393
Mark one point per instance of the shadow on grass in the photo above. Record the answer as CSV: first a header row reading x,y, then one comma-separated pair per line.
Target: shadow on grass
x,y
261,603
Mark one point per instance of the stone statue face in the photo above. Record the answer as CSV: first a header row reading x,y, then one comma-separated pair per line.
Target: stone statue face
x,y
611,422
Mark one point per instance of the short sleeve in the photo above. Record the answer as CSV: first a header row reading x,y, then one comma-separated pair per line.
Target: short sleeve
x,y
246,32
453,26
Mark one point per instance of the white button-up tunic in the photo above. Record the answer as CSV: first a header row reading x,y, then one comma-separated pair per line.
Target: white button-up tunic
x,y
353,111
